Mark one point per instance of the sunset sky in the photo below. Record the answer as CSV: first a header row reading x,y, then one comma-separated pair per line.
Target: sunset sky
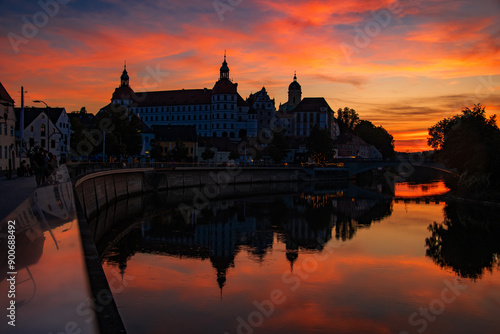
x,y
401,64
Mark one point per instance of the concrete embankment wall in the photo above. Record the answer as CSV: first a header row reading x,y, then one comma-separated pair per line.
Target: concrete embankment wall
x,y
101,189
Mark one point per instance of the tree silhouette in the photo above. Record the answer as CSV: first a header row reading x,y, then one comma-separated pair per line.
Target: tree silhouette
x,y
347,118
279,147
377,136
470,143
208,153
468,241
179,152
320,145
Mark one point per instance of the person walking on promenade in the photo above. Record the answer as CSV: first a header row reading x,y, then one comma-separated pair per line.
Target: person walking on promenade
x,y
38,164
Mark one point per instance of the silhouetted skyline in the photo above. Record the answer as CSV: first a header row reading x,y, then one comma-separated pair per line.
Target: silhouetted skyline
x,y
400,64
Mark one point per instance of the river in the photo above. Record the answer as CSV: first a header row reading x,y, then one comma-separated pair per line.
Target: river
x,y
320,259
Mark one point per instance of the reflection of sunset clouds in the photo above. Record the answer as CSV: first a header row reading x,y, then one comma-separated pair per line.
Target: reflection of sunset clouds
x,y
371,282
405,189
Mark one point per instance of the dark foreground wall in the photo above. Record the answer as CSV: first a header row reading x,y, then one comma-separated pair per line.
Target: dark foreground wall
x,y
101,189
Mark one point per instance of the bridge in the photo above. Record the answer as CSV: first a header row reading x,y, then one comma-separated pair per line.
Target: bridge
x,y
355,167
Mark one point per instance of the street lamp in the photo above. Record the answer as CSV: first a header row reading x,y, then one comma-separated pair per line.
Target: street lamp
x,y
46,130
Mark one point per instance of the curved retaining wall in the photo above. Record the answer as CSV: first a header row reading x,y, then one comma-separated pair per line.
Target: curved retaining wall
x,y
98,190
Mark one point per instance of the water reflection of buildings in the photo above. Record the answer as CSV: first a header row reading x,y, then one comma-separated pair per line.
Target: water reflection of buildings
x,y
222,230
48,207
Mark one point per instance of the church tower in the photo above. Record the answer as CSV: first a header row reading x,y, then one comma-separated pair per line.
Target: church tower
x,y
123,95
224,69
124,78
294,92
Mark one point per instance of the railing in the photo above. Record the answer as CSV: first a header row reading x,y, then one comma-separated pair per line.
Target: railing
x,y
82,168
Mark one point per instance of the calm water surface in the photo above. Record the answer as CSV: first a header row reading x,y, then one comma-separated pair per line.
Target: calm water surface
x,y
324,260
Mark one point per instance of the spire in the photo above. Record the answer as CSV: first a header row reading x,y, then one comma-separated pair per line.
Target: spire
x,y
124,78
224,70
294,75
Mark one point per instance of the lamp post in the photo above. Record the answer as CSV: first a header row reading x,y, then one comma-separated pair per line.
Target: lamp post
x,y
47,129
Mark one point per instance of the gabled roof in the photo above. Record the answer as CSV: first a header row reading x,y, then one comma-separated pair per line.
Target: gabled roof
x,y
31,113
173,133
240,101
313,104
350,138
4,95
173,97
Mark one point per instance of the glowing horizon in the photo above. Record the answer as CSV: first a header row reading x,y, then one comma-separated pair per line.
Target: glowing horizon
x,y
400,64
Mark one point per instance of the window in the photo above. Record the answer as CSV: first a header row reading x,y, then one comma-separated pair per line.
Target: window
x,y
53,143
32,141
6,150
11,130
31,129
42,142
42,130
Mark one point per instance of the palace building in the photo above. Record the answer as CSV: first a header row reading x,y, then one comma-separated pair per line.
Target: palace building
x,y
216,112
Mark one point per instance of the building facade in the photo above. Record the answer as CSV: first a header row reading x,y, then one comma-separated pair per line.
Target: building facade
x,y
8,152
48,128
348,145
265,108
314,112
216,112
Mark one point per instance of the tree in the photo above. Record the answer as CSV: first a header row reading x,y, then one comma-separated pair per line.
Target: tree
x,y
234,155
320,145
207,154
76,135
179,152
347,118
126,129
278,149
157,151
376,136
470,143
242,133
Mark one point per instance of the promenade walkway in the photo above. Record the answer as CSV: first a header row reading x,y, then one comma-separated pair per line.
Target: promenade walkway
x,y
14,192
